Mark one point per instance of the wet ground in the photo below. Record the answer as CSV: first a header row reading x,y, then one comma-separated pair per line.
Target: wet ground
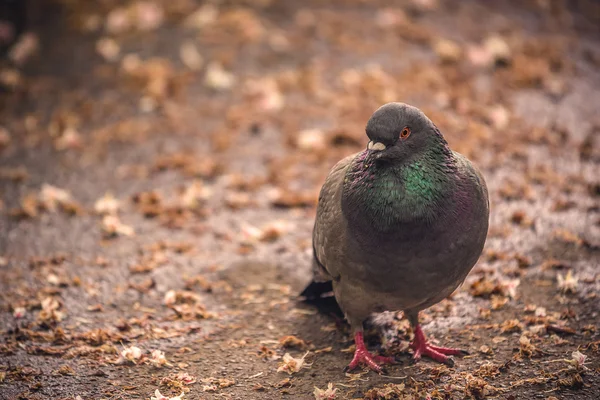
x,y
159,169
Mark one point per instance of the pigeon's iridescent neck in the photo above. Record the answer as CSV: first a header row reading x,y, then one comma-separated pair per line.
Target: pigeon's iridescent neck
x,y
388,195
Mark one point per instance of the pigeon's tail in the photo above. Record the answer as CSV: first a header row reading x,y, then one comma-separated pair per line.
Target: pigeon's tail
x,y
319,292
320,295
316,290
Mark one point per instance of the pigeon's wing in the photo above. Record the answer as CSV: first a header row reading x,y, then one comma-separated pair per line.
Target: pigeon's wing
x,y
469,169
327,231
329,223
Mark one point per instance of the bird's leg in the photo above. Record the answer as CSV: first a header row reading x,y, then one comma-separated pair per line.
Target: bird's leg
x,y
362,356
423,349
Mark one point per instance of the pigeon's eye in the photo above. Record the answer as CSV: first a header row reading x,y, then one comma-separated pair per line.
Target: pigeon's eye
x,y
405,132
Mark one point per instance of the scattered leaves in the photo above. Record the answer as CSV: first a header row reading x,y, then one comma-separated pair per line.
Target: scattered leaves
x,y
159,396
112,227
567,283
325,394
293,342
292,365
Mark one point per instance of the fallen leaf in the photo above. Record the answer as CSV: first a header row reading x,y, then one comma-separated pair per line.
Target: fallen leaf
x,y
327,394
132,354
292,365
190,56
107,204
159,396
567,283
112,226
158,359
217,77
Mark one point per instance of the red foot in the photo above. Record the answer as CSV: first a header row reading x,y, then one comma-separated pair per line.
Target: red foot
x,y
362,356
423,349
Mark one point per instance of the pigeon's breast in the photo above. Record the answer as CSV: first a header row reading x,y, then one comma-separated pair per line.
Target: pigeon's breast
x,y
420,260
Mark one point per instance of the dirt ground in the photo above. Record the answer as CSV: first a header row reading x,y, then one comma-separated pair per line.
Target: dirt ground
x,y
159,169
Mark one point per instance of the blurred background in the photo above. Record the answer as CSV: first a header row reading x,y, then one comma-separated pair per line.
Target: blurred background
x,y
160,163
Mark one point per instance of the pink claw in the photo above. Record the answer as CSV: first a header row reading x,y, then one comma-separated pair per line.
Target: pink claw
x,y
362,356
423,349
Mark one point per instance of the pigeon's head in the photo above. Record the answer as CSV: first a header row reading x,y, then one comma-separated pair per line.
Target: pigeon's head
x,y
398,132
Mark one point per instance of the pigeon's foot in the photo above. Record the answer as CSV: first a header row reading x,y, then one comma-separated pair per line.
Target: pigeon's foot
x,y
362,356
440,354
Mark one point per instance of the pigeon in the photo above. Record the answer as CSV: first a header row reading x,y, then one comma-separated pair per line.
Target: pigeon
x,y
399,226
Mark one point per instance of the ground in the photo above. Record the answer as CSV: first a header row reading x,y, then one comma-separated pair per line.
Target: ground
x,y
160,165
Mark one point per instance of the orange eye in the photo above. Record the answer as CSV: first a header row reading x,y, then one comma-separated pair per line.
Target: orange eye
x,y
405,132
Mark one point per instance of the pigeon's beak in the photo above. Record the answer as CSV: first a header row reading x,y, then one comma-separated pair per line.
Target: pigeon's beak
x,y
375,146
374,151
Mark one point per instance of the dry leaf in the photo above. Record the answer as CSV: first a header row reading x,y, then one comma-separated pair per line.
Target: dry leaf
x,y
159,396
19,312
108,48
311,140
190,56
217,77
51,197
131,354
447,50
112,226
293,342
157,358
567,283
203,16
292,365
107,204
185,378
327,394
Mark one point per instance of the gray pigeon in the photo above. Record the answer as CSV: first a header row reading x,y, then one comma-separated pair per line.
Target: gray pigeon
x,y
399,226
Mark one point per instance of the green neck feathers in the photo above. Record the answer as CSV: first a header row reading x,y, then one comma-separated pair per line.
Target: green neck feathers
x,y
389,194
